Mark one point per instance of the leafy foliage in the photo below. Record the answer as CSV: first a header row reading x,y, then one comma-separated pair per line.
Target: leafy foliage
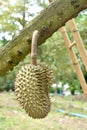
x,y
13,17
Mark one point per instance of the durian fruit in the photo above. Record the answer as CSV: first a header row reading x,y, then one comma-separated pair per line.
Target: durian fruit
x,y
49,76
32,86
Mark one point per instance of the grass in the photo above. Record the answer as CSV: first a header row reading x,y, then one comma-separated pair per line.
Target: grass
x,y
12,117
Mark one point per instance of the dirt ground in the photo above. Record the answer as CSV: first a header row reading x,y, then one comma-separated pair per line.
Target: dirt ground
x,y
12,117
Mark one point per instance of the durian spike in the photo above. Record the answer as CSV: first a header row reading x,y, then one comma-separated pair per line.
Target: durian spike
x,y
35,37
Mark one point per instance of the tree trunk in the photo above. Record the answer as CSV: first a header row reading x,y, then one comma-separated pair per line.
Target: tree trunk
x,y
48,22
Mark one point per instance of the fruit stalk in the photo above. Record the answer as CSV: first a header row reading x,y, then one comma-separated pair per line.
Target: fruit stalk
x,y
35,37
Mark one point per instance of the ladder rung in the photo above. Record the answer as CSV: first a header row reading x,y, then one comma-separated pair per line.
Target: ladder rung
x,y
73,44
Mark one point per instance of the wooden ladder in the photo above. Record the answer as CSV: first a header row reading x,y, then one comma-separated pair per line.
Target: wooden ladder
x,y
79,44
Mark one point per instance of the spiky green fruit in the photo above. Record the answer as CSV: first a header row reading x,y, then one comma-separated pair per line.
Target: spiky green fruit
x,y
32,89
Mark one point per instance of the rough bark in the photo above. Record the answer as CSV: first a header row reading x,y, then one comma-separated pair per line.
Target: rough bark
x,y
48,22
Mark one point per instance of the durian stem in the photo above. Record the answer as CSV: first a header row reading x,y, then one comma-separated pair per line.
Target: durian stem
x,y
35,37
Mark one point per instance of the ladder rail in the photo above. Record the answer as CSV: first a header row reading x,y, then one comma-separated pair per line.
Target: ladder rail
x,y
79,41
74,60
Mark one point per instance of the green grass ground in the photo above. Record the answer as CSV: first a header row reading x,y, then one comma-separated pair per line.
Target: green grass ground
x,y
12,117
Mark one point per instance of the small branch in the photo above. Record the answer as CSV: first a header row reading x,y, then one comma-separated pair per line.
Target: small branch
x,y
35,37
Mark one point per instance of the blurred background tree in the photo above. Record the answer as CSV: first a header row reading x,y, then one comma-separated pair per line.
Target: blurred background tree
x,y
13,18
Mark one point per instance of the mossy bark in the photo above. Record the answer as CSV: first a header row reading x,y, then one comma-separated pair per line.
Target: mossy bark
x,y
48,22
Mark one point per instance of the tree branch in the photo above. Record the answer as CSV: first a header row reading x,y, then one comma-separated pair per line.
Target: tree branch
x,y
48,22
